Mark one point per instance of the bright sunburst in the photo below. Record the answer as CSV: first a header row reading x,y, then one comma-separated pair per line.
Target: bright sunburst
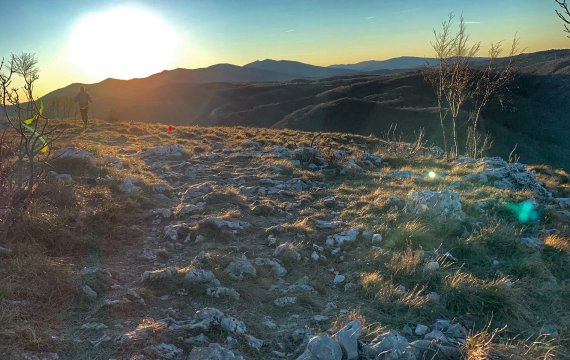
x,y
123,42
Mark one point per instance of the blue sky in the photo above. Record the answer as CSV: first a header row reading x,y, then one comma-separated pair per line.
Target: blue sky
x,y
321,32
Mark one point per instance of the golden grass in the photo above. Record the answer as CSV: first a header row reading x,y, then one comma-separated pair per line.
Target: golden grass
x,y
478,345
305,225
558,242
404,263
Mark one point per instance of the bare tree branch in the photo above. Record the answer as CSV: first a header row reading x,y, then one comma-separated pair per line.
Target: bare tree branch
x,y
564,14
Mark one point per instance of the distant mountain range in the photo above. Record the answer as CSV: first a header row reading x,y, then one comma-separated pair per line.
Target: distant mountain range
x,y
291,94
297,69
399,63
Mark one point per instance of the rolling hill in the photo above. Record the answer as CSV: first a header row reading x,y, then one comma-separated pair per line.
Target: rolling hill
x,y
283,94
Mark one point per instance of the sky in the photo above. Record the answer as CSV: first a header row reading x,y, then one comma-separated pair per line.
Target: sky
x,y
88,41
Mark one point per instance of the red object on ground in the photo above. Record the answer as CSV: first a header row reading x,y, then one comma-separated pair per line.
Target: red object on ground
x,y
170,128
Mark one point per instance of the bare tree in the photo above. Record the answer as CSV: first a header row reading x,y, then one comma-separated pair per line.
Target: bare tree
x,y
460,87
564,14
25,145
452,78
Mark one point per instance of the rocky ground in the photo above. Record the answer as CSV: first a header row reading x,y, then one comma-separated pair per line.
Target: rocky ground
x,y
239,243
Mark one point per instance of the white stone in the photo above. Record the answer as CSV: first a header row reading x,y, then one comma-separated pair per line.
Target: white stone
x,y
347,338
276,267
443,204
238,268
322,348
339,279
285,301
212,352
315,256
421,330
376,239
93,326
431,266
128,185
344,237
220,291
174,150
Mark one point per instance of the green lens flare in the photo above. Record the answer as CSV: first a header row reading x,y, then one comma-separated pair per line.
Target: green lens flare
x,y
524,211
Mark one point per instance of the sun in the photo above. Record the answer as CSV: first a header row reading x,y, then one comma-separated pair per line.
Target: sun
x,y
122,43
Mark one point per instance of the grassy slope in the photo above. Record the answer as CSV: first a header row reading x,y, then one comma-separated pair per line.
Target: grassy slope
x,y
91,223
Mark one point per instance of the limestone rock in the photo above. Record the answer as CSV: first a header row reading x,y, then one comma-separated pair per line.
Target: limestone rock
x,y
376,239
338,240
201,276
89,293
421,330
436,335
442,205
321,224
338,279
322,348
307,155
347,338
431,266
174,150
282,151
287,252
128,185
165,351
386,342
40,356
212,352
220,291
374,159
160,274
253,342
285,301
404,174
236,269
223,224
213,316
64,179
456,331
74,154
93,326
197,190
276,267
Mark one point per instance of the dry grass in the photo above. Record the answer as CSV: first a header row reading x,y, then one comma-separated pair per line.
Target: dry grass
x,y
478,346
404,263
305,225
41,283
558,242
464,293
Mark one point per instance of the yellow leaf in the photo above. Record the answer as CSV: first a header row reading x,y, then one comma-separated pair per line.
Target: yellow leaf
x,y
41,108
29,121
44,149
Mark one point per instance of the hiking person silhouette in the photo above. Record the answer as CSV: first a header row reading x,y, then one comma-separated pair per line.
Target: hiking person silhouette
x,y
83,99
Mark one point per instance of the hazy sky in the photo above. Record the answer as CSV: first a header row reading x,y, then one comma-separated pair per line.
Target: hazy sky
x,y
205,32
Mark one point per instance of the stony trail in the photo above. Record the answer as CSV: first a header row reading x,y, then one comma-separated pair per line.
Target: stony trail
x,y
252,250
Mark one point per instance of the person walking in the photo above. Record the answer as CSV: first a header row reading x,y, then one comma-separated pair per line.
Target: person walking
x,y
83,99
